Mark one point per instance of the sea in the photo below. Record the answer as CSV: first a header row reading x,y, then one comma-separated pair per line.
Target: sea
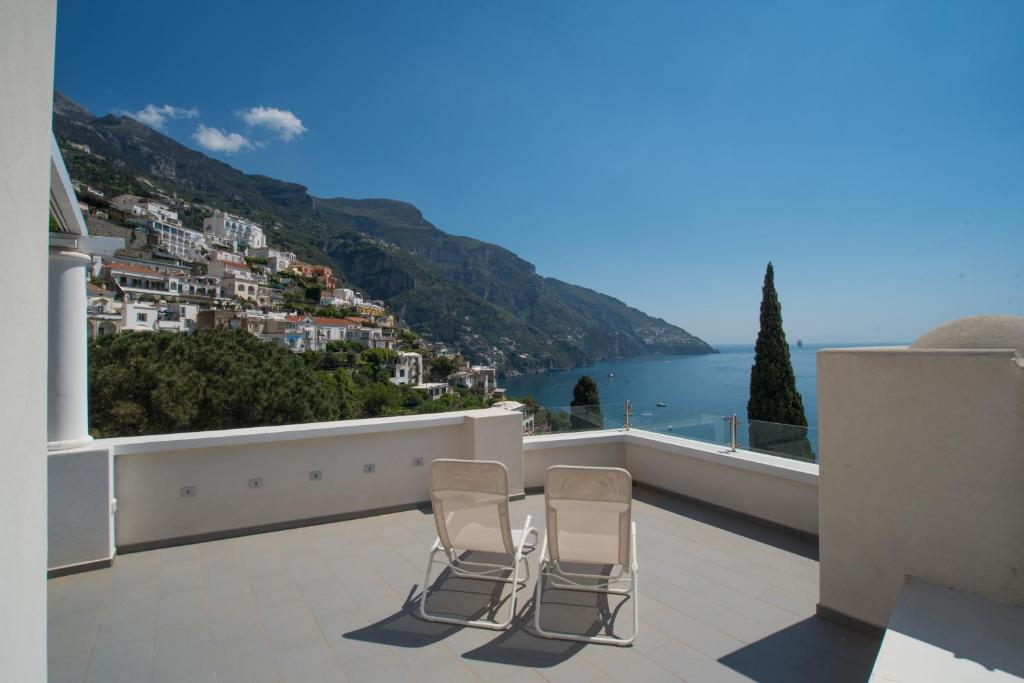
x,y
697,391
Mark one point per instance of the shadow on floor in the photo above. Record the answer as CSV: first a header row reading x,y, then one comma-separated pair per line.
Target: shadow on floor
x,y
448,596
576,612
811,650
782,539
568,611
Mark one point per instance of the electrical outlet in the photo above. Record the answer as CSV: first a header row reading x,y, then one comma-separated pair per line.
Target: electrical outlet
x,y
369,469
188,492
256,483
417,462
316,475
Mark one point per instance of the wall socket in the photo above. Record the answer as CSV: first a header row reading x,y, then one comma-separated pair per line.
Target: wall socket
x,y
369,469
417,462
256,483
316,475
187,492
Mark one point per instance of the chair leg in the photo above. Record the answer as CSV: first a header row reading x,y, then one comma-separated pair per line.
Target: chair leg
x,y
633,592
480,623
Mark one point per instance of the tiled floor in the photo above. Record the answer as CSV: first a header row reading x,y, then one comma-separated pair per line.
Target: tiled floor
x,y
721,599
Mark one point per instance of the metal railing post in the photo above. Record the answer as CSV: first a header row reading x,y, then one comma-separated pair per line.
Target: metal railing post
x,y
629,415
733,424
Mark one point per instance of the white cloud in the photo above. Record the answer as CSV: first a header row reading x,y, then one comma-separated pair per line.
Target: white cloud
x,y
281,121
156,117
217,140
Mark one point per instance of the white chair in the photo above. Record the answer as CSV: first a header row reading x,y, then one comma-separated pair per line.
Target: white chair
x,y
589,522
470,501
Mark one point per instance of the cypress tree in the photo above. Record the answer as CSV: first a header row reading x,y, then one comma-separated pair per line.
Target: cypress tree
x,y
773,395
585,408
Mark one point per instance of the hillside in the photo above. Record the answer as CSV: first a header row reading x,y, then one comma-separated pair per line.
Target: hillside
x,y
475,295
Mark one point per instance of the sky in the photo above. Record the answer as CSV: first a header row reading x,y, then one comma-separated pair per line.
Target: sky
x,y
660,152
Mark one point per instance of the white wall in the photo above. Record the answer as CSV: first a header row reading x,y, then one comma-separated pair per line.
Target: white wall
x,y
922,473
80,521
150,471
26,81
591,449
774,489
771,488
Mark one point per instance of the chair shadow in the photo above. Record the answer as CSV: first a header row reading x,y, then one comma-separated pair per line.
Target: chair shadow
x,y
577,612
810,650
449,596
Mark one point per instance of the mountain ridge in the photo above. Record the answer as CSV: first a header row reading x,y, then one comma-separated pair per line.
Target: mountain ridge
x,y
478,296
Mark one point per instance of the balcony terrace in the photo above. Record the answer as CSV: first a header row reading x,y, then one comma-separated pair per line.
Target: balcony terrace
x,y
723,598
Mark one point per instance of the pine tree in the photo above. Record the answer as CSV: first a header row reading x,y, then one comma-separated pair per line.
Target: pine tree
x,y
585,408
773,395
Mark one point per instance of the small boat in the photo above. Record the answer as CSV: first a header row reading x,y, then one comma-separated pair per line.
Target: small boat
x,y
611,374
660,404
799,343
647,414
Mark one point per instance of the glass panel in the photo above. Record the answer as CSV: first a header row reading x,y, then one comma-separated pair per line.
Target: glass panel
x,y
773,438
559,419
663,419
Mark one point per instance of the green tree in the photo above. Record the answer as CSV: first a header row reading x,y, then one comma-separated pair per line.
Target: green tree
x,y
440,368
374,364
775,409
313,294
585,407
163,382
380,399
407,338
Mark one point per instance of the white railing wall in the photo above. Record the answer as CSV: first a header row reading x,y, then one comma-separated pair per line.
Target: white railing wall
x,y
189,487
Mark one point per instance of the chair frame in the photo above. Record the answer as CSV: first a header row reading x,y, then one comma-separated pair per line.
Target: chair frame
x,y
561,579
482,571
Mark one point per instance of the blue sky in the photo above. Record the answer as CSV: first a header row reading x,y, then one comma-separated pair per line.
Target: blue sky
x,y
659,152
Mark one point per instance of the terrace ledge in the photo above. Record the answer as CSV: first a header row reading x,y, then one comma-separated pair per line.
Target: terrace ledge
x,y
795,470
162,443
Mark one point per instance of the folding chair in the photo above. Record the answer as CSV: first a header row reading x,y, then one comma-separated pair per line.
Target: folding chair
x,y
589,522
470,501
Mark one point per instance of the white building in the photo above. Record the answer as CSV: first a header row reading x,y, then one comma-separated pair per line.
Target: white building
x,y
435,390
276,260
133,205
137,316
231,227
184,243
408,369
241,286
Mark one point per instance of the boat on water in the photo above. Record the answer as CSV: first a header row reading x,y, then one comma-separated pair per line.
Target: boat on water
x,y
800,343
611,374
660,404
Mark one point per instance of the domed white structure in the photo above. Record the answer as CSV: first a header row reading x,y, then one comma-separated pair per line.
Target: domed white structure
x,y
977,332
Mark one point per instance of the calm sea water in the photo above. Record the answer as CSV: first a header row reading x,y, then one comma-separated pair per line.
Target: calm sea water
x,y
696,390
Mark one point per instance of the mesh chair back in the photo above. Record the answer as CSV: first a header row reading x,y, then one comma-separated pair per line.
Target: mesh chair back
x,y
588,512
470,500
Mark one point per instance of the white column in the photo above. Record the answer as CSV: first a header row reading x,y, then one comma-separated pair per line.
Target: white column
x,y
67,406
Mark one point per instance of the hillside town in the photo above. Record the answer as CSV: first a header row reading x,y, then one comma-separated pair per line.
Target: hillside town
x,y
228,276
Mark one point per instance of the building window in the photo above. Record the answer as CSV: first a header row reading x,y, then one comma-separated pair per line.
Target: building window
x,y
140,317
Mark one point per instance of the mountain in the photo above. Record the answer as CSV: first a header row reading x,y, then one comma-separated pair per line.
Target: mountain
x,y
474,295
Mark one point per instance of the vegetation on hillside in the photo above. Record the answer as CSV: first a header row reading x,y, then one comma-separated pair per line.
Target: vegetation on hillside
x,y
164,382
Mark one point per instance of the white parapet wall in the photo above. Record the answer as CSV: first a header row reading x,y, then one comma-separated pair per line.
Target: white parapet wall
x,y
198,485
187,487
922,474
773,489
